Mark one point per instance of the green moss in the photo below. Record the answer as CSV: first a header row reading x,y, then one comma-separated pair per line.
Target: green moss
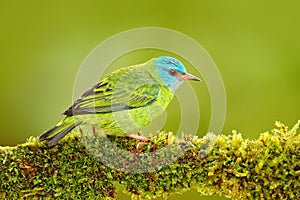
x,y
266,168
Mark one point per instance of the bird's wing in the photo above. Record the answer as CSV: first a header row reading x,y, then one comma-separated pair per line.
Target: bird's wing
x,y
116,93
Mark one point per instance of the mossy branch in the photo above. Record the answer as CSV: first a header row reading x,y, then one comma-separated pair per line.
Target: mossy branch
x,y
266,168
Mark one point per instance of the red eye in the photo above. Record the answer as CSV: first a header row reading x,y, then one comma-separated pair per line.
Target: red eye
x,y
172,72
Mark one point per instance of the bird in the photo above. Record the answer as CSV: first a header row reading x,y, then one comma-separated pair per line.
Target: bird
x,y
125,100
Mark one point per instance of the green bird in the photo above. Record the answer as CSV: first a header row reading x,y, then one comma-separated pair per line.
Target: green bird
x,y
124,101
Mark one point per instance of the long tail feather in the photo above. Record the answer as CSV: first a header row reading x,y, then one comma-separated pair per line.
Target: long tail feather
x,y
55,134
45,135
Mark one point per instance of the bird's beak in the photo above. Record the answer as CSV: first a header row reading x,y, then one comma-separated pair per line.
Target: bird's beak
x,y
188,76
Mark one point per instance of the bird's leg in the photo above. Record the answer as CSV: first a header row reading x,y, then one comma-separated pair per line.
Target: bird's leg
x,y
94,130
142,140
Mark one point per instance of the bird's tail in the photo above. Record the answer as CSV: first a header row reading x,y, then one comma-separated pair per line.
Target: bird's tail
x,y
55,134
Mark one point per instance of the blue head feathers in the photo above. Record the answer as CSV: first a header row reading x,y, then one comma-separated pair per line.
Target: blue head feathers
x,y
172,72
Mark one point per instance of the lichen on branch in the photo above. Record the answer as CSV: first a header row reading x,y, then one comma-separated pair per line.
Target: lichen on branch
x,y
266,168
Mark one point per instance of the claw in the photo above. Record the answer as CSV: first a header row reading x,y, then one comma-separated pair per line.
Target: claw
x,y
142,140
140,145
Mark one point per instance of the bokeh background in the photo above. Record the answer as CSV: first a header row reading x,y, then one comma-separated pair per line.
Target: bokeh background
x,y
255,45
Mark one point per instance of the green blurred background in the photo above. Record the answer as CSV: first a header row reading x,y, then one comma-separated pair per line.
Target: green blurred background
x,y
255,45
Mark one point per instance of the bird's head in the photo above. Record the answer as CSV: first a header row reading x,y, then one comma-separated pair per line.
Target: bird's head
x,y
172,72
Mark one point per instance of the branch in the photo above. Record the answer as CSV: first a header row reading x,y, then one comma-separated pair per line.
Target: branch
x,y
266,168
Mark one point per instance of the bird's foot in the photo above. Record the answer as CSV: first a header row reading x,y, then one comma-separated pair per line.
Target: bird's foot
x,y
139,137
142,140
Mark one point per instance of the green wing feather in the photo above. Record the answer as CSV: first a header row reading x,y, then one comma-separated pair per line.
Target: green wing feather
x,y
127,88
